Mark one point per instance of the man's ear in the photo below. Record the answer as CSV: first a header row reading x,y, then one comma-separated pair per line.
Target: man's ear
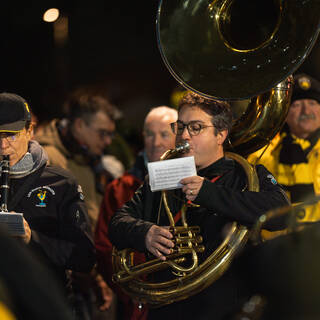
x,y
30,131
78,124
221,136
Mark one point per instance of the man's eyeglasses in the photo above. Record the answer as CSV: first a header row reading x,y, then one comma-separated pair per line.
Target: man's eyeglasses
x,y
194,127
9,136
105,133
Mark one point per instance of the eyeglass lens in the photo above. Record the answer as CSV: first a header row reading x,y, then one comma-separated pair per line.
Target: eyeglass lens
x,y
193,128
10,136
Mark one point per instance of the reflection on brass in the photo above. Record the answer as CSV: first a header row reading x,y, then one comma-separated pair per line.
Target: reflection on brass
x,y
235,49
262,119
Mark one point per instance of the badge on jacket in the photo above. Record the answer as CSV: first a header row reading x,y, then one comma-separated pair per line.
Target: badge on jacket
x,y
272,179
80,192
41,194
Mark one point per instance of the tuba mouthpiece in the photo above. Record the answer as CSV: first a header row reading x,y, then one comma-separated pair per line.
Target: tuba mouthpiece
x,y
182,147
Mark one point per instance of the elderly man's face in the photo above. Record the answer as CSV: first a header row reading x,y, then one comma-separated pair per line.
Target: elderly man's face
x,y
15,145
158,136
304,117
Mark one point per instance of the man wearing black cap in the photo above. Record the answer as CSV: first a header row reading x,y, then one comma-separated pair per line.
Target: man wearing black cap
x,y
293,156
51,201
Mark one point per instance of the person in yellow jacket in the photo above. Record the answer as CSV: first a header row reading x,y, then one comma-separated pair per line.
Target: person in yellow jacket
x,y
293,156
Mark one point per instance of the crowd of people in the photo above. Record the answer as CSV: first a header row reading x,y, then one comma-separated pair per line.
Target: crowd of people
x,y
79,202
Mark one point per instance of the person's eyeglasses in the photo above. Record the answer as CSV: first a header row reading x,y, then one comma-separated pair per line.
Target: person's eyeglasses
x,y
105,133
9,136
194,128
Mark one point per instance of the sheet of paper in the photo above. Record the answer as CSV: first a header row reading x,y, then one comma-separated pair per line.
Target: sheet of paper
x,y
166,174
12,222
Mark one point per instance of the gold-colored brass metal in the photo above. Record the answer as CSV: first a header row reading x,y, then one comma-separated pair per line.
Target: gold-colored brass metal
x,y
235,49
262,120
189,280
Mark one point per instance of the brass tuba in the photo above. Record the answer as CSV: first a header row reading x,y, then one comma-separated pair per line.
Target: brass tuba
x,y
230,50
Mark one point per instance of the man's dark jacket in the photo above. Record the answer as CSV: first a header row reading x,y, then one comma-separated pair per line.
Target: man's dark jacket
x,y
224,201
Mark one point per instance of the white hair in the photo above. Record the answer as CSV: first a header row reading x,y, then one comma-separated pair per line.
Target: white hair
x,y
164,112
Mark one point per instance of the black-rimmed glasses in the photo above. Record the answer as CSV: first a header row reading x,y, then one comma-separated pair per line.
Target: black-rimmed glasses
x,y
193,127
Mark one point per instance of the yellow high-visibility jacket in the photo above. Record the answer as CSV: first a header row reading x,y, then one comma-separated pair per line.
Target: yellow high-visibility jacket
x,y
301,176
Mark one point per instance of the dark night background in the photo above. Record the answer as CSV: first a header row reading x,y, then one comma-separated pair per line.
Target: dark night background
x,y
111,46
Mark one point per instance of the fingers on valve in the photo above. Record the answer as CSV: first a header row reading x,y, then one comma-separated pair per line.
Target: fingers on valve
x,y
162,249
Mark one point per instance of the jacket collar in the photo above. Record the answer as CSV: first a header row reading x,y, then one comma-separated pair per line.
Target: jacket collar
x,y
217,168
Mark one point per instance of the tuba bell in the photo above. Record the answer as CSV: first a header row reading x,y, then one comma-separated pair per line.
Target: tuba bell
x,y
232,50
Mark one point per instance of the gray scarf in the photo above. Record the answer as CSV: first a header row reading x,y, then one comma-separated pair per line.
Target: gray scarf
x,y
35,158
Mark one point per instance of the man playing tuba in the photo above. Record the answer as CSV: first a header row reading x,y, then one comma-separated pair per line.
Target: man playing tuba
x,y
217,196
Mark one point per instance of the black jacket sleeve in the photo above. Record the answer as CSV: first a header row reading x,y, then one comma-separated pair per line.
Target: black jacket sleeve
x,y
127,228
242,205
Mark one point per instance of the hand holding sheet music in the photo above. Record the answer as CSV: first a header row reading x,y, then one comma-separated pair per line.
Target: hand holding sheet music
x,y
166,174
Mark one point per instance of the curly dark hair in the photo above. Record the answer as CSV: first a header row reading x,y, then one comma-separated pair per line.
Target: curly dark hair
x,y
219,110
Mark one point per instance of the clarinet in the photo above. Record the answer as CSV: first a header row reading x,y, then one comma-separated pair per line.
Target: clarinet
x,y
4,187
